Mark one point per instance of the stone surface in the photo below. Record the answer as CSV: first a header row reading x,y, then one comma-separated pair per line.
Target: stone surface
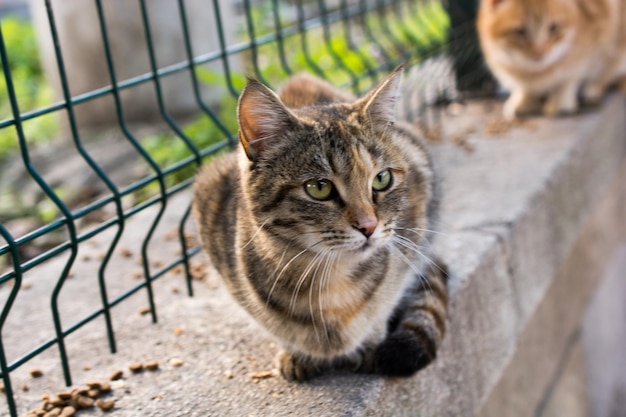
x,y
604,338
513,213
557,320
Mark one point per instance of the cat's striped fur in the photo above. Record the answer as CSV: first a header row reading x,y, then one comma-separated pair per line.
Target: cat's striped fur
x,y
346,281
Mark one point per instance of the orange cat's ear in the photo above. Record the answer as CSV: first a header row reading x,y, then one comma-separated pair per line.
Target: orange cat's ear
x,y
493,3
380,104
262,117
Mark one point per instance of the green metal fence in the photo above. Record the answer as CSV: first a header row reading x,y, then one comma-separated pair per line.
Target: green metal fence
x,y
351,42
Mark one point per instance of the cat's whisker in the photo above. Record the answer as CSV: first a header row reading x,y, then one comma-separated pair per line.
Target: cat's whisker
x,y
256,233
409,244
323,282
322,256
282,271
316,259
420,231
411,265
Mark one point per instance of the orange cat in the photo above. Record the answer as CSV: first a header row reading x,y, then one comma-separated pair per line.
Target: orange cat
x,y
547,51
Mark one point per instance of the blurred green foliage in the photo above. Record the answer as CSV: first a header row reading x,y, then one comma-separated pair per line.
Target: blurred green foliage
x,y
416,30
31,88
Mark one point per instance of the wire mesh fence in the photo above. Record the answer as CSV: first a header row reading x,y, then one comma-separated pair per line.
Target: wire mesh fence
x,y
352,43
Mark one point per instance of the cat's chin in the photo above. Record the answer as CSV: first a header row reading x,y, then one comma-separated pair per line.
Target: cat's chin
x,y
364,249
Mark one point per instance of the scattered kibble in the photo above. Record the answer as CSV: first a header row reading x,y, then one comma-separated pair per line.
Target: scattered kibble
x,y
86,367
462,142
136,367
151,365
178,331
138,274
84,402
116,375
175,362
434,134
57,402
228,374
68,411
65,395
86,257
26,285
144,310
95,384
197,270
105,405
175,290
261,374
125,252
24,387
36,373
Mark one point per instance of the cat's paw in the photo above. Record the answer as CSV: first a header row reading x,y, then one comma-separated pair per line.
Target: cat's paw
x,y
362,360
403,353
592,93
562,102
297,367
519,105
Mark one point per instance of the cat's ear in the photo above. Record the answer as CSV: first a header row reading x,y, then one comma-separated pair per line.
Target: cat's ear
x,y
262,118
379,105
493,3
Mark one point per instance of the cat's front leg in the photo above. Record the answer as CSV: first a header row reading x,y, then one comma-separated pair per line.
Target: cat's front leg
x,y
295,366
520,103
418,328
593,92
563,100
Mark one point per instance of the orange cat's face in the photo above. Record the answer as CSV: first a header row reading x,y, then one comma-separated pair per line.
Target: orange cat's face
x,y
528,34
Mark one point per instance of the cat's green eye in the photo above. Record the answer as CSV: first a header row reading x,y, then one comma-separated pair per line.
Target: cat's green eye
x,y
382,180
319,189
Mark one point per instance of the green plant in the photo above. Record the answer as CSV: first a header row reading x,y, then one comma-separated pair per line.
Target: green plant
x,y
31,88
421,28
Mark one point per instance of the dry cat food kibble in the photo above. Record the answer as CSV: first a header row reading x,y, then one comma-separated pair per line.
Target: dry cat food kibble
x,y
136,367
84,402
175,362
126,253
68,403
144,310
68,411
105,405
116,375
261,374
36,373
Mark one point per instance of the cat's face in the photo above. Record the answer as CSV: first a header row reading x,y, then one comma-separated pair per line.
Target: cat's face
x,y
528,34
326,178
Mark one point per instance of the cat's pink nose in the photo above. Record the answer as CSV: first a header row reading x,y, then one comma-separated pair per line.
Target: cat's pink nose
x,y
365,223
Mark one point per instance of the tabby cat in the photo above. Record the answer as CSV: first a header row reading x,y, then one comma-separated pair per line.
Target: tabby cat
x,y
548,51
318,225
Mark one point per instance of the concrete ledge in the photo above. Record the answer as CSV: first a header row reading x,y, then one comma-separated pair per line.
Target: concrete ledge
x,y
530,219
